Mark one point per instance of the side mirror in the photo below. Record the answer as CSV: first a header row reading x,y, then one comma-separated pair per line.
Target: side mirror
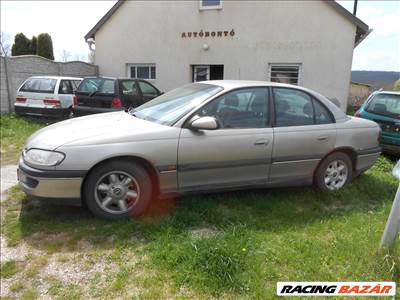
x,y
208,123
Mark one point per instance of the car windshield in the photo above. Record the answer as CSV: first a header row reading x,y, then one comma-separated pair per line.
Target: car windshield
x,y
386,105
100,85
170,107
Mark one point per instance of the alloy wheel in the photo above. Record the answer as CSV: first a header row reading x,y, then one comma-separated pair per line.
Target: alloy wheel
x,y
336,175
116,192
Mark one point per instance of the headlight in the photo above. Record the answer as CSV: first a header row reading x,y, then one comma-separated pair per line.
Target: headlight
x,y
43,157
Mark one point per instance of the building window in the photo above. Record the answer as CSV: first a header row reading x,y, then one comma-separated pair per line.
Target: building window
x,y
285,73
210,4
142,71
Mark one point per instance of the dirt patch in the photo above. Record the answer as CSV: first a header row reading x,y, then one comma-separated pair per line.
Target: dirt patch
x,y
203,231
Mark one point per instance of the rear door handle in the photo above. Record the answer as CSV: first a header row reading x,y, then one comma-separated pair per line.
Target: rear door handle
x,y
261,142
322,138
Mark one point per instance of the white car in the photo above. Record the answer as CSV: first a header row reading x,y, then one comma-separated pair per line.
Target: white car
x,y
48,96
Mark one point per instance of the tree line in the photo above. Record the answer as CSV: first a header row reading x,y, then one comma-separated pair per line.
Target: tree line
x,y
42,45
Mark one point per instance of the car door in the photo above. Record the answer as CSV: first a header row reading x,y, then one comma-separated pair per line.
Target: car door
x,y
238,153
148,91
304,132
130,93
65,93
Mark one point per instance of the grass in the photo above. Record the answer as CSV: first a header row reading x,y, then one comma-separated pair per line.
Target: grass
x,y
14,131
229,245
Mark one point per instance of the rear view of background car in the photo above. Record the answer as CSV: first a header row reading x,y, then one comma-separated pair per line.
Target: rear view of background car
x,y
100,94
50,96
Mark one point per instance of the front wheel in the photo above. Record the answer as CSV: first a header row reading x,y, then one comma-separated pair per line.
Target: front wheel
x,y
334,172
118,189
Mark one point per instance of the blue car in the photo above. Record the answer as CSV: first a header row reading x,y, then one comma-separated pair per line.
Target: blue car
x,y
384,108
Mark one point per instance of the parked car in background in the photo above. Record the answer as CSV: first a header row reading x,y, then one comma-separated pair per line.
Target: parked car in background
x,y
105,94
47,96
202,137
384,108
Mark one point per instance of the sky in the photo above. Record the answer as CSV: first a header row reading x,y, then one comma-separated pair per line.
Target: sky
x,y
68,21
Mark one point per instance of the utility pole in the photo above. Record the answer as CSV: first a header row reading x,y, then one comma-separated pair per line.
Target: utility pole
x,y
355,7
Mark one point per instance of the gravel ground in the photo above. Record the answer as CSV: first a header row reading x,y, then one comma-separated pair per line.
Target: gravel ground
x,y
8,179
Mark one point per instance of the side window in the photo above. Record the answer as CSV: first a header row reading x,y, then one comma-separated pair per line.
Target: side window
x,y
65,87
292,108
244,108
75,84
147,89
322,115
108,87
129,88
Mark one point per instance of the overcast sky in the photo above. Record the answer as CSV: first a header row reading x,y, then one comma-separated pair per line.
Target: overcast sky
x,y
68,21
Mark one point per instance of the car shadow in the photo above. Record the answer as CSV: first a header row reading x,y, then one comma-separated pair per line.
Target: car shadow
x,y
61,228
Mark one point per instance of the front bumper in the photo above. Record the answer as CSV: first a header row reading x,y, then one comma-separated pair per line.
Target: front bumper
x,y
51,112
52,184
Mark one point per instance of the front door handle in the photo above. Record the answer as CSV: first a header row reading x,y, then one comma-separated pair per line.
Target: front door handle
x,y
322,138
261,142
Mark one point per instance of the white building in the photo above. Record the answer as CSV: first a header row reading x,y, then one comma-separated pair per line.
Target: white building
x,y
171,43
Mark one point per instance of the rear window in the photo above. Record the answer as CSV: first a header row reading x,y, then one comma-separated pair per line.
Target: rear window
x,y
100,85
385,105
39,85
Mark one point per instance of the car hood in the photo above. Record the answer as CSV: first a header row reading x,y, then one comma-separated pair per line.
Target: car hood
x,y
95,129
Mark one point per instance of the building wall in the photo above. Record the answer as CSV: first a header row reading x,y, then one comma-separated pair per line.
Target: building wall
x,y
306,32
358,94
20,68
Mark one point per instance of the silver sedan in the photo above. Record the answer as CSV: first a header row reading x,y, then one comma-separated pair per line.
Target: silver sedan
x,y
208,136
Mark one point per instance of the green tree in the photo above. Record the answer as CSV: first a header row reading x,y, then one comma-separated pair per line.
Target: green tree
x,y
21,46
396,86
34,45
45,46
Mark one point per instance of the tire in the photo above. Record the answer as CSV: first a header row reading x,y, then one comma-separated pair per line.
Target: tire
x,y
334,172
68,114
118,189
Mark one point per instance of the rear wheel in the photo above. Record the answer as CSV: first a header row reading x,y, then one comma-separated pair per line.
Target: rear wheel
x,y
118,189
334,172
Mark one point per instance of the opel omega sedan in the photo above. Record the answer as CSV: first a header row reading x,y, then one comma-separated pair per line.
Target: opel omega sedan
x,y
207,136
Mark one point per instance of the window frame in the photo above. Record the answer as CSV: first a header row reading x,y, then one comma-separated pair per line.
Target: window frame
x,y
202,7
287,65
312,97
68,82
269,115
149,83
129,67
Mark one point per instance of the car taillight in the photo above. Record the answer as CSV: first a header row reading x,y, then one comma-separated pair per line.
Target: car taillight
x,y
20,99
357,114
75,100
116,102
51,102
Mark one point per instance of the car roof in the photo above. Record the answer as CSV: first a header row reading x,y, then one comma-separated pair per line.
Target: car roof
x,y
388,92
114,78
57,77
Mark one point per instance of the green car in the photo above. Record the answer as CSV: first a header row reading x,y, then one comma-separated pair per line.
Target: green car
x,y
384,108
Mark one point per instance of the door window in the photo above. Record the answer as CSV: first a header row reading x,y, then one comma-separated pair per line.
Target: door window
x,y
292,108
244,108
322,115
65,87
129,88
296,108
147,89
75,84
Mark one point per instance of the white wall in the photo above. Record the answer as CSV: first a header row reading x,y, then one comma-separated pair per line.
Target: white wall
x,y
307,32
